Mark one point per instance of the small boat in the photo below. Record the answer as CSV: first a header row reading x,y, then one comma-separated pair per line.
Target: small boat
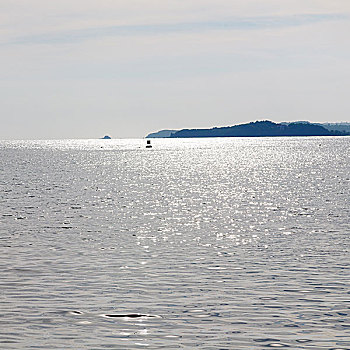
x,y
148,145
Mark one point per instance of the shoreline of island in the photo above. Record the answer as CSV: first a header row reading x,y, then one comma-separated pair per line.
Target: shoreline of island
x,y
264,128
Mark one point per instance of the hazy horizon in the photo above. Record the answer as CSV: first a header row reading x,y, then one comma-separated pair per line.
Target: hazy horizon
x,y
150,132
84,70
156,131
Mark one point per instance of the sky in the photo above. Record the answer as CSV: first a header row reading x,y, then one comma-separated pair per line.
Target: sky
x,y
125,68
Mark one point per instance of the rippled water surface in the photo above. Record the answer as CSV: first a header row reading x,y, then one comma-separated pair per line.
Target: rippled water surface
x,y
195,243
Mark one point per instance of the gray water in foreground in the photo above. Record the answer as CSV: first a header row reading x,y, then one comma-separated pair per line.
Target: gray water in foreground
x,y
196,243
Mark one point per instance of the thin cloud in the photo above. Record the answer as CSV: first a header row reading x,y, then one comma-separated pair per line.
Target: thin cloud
x,y
245,23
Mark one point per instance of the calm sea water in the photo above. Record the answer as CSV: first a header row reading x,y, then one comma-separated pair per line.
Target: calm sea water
x,y
196,243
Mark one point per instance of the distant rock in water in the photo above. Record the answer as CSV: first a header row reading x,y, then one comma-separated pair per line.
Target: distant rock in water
x,y
106,137
260,129
161,134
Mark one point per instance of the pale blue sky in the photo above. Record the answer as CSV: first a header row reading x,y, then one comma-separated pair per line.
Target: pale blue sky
x,y
127,68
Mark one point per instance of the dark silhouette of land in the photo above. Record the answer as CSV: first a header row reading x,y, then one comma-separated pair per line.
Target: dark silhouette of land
x,y
264,128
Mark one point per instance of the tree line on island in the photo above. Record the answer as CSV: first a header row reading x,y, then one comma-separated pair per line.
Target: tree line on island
x,y
264,128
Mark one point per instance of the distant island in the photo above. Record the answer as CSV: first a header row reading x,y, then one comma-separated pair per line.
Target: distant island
x,y
106,137
161,134
263,128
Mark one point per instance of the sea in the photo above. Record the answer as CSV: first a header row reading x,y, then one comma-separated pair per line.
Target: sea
x,y
218,243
